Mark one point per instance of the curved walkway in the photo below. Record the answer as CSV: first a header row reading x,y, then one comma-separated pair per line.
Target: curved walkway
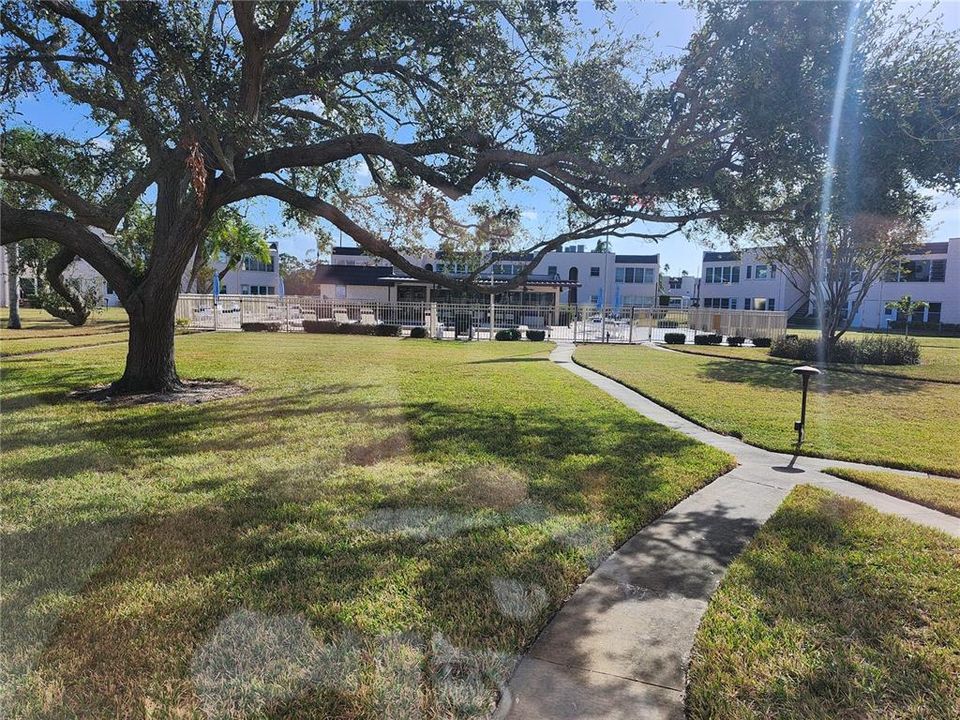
x,y
619,647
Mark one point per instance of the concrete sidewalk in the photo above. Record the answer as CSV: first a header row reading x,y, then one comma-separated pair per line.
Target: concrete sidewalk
x,y
619,647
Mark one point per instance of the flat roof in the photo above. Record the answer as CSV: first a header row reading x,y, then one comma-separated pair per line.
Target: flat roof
x,y
352,274
727,256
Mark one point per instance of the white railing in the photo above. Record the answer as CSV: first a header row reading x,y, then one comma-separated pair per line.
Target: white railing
x,y
583,323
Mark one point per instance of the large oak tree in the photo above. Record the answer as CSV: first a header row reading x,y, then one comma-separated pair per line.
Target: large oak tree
x,y
202,104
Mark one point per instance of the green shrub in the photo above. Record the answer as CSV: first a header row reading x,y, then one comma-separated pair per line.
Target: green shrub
x,y
260,326
329,326
536,335
675,338
319,326
701,339
418,332
873,350
509,334
881,350
761,341
735,340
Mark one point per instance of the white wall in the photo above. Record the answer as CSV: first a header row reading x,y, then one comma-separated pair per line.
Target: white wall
x,y
777,287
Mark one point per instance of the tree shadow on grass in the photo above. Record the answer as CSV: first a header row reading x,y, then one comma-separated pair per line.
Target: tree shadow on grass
x,y
779,377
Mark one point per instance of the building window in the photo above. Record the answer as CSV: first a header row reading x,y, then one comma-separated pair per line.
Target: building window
x,y
595,271
748,303
759,303
748,271
620,274
676,283
340,292
933,312
762,273
257,265
938,272
552,270
771,304
244,289
594,299
733,303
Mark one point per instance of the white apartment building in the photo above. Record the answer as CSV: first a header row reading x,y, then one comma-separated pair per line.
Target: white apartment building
x,y
679,291
931,274
583,277
746,281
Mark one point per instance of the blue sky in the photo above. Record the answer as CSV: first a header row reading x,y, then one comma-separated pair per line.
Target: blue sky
x,y
668,25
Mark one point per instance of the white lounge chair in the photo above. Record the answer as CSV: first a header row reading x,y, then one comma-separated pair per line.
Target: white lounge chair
x,y
367,317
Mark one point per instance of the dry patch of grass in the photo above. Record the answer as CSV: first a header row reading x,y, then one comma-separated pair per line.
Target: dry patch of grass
x,y
362,540
833,611
941,494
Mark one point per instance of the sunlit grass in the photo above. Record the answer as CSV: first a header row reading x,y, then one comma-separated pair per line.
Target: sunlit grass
x,y
833,611
376,530
939,359
941,494
899,423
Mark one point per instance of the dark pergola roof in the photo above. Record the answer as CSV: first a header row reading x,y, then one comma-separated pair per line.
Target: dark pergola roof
x,y
352,275
484,279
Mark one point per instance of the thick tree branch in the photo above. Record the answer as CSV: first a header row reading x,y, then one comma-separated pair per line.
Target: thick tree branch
x,y
17,224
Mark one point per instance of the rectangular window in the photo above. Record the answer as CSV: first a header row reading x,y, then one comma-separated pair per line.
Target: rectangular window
x,y
595,271
631,275
748,303
759,303
676,283
257,265
648,276
551,270
724,303
271,290
244,289
735,273
772,304
733,303
773,271
341,292
709,275
749,267
621,275
762,272
938,271
933,312
594,299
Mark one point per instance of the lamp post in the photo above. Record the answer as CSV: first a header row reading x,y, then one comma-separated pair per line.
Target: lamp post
x,y
806,372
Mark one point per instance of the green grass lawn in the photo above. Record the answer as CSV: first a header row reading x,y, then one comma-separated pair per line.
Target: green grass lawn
x,y
375,530
939,359
941,494
900,423
833,611
41,331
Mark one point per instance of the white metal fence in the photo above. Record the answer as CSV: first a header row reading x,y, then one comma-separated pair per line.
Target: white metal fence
x,y
583,323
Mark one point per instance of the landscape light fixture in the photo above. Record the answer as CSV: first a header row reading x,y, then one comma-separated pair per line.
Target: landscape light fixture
x,y
806,372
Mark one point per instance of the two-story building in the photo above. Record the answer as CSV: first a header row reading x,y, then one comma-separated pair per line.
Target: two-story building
x,y
931,274
745,280
678,291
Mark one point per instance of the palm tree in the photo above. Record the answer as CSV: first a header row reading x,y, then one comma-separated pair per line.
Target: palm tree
x,y
906,306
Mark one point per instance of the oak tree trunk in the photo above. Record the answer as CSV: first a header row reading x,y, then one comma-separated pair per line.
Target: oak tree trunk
x,y
151,366
13,282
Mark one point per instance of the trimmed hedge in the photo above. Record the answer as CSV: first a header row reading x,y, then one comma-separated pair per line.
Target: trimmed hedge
x,y
871,350
711,339
735,340
418,332
260,327
675,338
508,335
536,335
761,341
331,327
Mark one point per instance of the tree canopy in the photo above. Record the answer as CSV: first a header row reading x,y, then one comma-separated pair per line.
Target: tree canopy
x,y
203,105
